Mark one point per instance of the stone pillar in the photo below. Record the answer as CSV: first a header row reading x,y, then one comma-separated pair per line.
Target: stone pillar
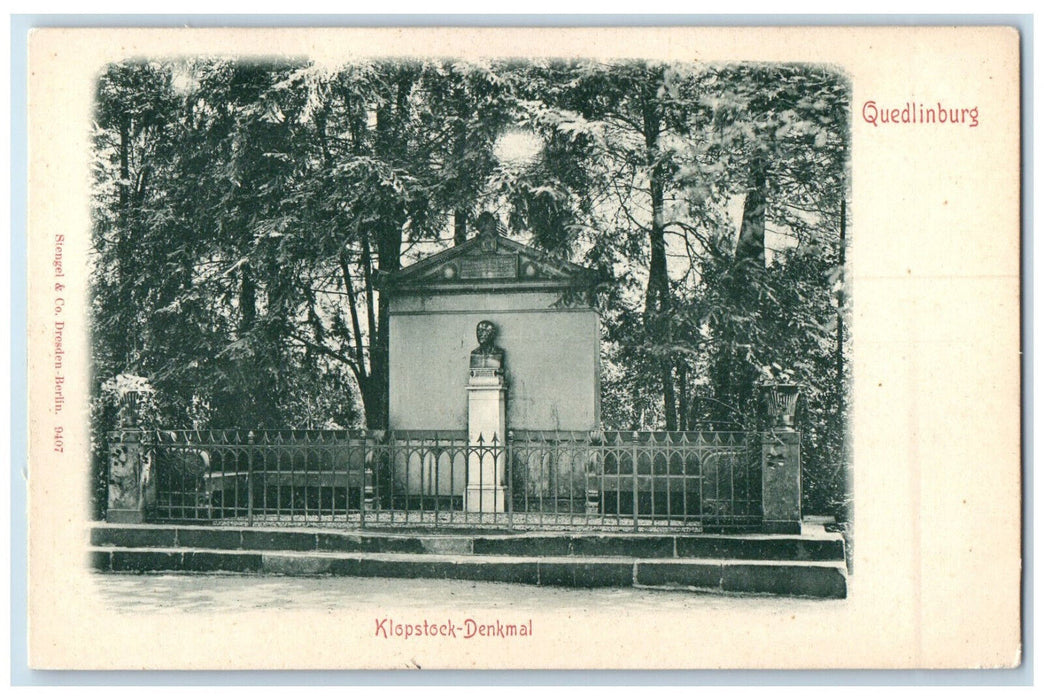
x,y
132,491
487,430
781,481
781,461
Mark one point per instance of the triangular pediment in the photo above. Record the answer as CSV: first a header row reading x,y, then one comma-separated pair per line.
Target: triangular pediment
x,y
490,260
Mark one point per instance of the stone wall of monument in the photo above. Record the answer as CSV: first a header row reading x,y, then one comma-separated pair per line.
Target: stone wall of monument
x,y
551,360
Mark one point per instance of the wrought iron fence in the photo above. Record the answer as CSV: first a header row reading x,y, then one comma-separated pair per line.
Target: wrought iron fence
x,y
533,480
625,479
257,475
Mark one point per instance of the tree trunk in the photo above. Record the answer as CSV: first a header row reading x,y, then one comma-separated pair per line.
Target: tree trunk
x,y
460,215
657,294
683,396
751,245
375,394
375,403
124,184
122,338
353,312
247,299
460,226
389,235
736,377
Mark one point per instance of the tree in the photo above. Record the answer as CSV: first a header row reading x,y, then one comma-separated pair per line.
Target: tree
x,y
404,147
203,288
632,123
777,137
776,314
245,213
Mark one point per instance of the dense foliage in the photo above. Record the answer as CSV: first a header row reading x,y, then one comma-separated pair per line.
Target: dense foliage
x,y
244,211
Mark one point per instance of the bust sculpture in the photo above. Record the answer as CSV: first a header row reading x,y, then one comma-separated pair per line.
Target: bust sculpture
x,y
487,355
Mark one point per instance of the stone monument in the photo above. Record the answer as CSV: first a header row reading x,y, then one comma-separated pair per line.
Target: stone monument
x,y
536,366
487,423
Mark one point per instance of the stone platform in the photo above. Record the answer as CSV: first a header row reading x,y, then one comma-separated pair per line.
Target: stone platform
x,y
811,564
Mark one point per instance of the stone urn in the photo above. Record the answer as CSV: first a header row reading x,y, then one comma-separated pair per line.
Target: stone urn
x,y
780,404
128,410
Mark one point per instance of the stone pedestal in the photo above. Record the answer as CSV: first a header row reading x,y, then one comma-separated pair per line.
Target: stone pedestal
x,y
131,490
487,423
781,481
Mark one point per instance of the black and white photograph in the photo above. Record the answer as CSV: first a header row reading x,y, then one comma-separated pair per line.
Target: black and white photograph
x,y
469,344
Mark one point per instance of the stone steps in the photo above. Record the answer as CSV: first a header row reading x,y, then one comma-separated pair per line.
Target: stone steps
x,y
809,565
815,579
821,546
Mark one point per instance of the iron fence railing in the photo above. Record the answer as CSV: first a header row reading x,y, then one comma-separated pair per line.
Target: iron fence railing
x,y
267,474
533,480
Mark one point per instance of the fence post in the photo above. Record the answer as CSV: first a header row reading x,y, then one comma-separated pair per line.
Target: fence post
x,y
132,492
509,478
369,454
592,492
250,478
781,462
634,474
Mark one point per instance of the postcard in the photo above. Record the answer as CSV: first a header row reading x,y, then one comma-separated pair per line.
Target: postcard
x,y
524,348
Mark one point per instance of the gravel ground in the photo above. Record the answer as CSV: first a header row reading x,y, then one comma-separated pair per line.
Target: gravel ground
x,y
235,592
